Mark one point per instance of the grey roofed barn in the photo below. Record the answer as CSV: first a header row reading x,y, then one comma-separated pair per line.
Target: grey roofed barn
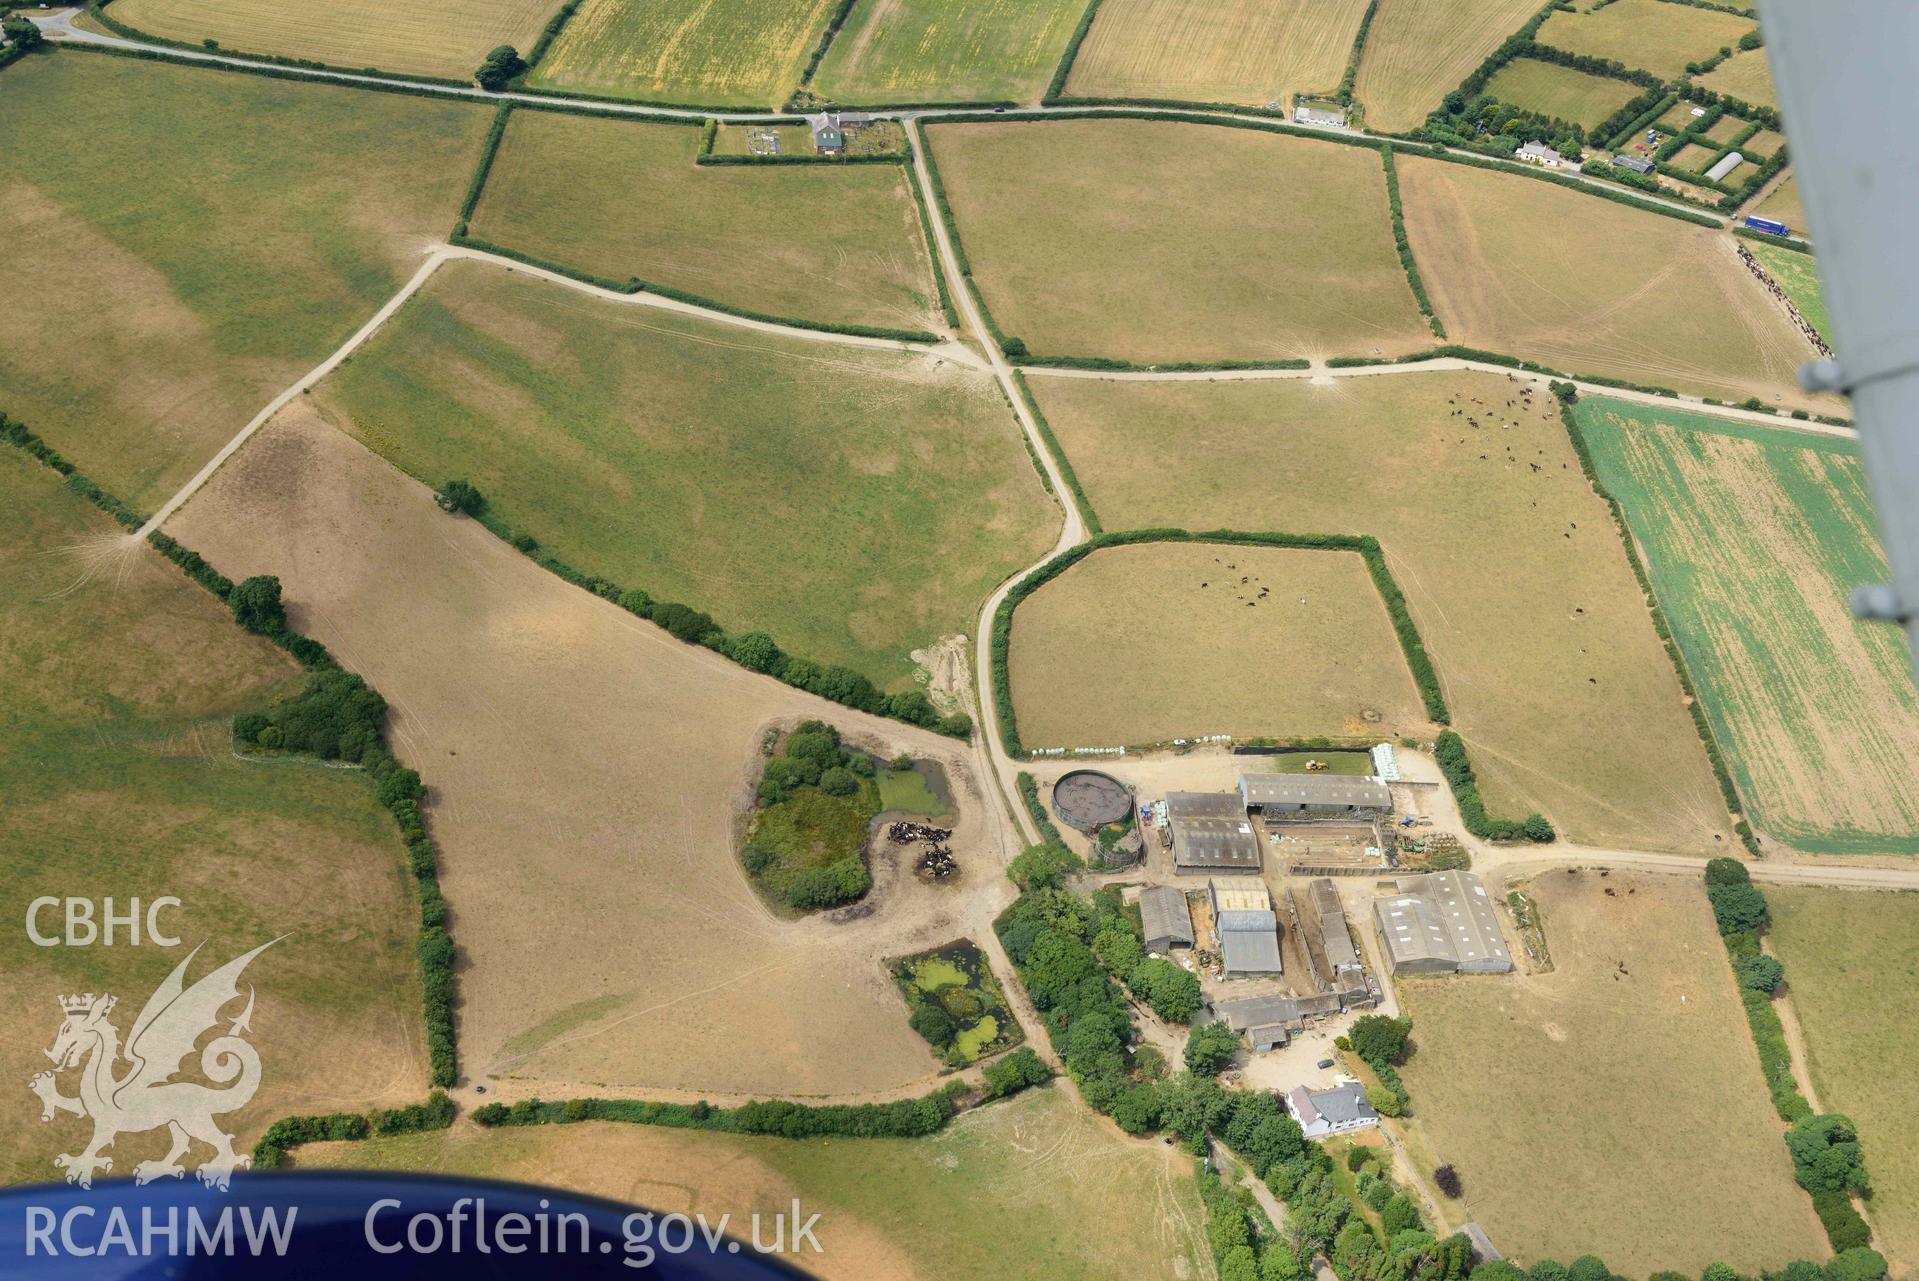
x,y
1314,793
1441,922
1165,919
1210,833
1249,943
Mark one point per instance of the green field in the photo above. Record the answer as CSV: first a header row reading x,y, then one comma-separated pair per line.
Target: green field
x,y
1852,967
947,50
1156,241
741,53
1798,275
1754,537
1646,35
1033,1189
1560,93
118,681
856,504
1745,76
174,274
1510,564
616,199
972,1019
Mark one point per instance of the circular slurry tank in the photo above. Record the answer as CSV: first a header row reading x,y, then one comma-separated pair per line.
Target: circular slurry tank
x,y
1089,800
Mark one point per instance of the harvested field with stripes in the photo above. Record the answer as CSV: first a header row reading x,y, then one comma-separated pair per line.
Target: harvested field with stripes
x,y
739,53
1239,51
1418,51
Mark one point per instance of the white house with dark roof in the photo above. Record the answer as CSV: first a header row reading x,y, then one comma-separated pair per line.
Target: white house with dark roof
x,y
1335,1111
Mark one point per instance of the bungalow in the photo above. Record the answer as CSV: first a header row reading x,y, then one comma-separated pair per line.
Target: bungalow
x,y
1334,1111
1538,153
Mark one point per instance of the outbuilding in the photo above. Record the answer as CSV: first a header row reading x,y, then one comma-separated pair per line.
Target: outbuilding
x,y
1314,796
1166,920
1211,833
1727,163
1638,164
1441,923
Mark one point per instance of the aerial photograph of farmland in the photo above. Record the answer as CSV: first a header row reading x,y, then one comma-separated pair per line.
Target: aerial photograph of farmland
x,y
908,640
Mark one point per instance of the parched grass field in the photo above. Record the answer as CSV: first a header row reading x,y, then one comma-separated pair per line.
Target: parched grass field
x,y
1746,76
857,504
721,53
1754,537
1798,274
171,276
1510,563
589,776
1152,241
1032,1189
1783,204
1589,286
1154,641
118,681
614,198
1852,969
1537,1087
1239,51
1647,35
1418,51
1560,92
434,38
947,50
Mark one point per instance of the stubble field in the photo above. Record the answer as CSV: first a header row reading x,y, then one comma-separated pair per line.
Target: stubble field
x,y
1537,1087
167,278
1140,644
947,50
857,504
1024,1189
1239,51
739,53
1784,205
1418,51
1589,286
1754,537
1647,35
588,777
118,681
430,38
1152,241
1510,563
836,245
1852,968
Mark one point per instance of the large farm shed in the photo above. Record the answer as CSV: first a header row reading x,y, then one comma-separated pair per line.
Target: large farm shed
x,y
1269,1021
1441,923
1165,920
1329,943
1288,796
1248,927
1210,833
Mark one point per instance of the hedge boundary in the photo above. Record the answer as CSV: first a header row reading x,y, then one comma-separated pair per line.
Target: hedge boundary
x,y
548,34
97,10
841,12
1070,54
1412,646
1405,245
1087,516
1728,791
290,1132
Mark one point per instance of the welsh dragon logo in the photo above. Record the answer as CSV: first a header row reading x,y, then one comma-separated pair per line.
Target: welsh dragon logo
x,y
145,1096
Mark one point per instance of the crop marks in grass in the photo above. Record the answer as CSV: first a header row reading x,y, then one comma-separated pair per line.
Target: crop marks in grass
x,y
920,51
741,53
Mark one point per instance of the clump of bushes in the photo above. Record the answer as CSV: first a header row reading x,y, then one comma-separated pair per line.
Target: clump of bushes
x,y
460,497
499,68
1015,1072
1450,751
1044,866
815,793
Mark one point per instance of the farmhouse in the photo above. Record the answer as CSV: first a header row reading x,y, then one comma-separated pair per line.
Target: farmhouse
x,y
1297,796
1538,153
829,136
1269,1021
1441,923
1210,833
1166,920
1727,163
1323,1112
1638,164
1248,928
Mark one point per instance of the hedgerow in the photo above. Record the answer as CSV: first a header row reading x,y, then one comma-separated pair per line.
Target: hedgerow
x,y
904,1119
1450,751
1405,246
17,435
1087,516
1029,793
1058,84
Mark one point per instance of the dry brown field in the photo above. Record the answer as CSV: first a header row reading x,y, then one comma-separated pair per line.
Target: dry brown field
x,y
1537,1088
1418,51
1154,241
1648,35
1510,563
1144,643
1240,51
1032,1189
1520,266
433,38
1783,203
589,775
618,199
118,681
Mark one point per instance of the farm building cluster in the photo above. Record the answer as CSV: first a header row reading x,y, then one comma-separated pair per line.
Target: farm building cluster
x,y
1322,822
832,130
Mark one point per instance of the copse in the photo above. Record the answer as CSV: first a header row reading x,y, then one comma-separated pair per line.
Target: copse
x,y
460,498
256,605
499,68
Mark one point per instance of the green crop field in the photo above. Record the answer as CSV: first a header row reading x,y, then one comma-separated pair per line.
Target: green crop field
x,y
1240,51
1745,76
1593,287
947,50
174,274
1155,241
1560,93
1510,564
118,681
1754,537
1852,967
743,53
1534,1086
856,504
1142,644
618,199
1024,1190
431,38
1647,35
1798,275
1418,51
